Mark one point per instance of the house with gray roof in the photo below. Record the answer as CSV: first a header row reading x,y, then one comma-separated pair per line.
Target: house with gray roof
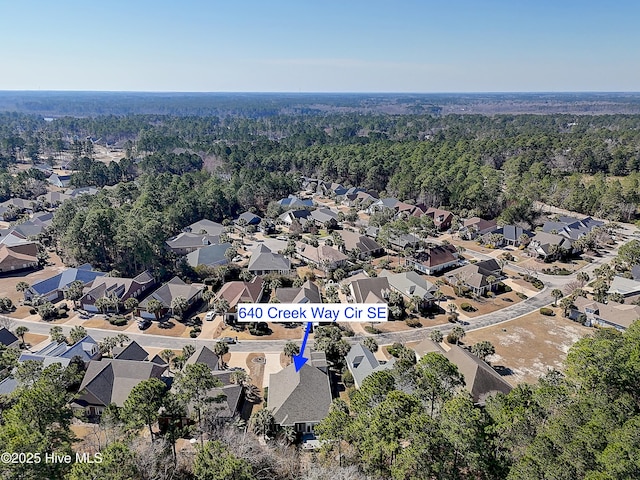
x,y
612,314
76,192
86,349
361,362
54,198
247,218
109,381
481,381
205,356
324,257
476,276
61,181
548,245
185,243
299,399
303,217
263,261
627,287
205,227
211,255
7,338
166,293
411,284
307,293
571,227
324,217
133,351
292,201
370,290
53,288
116,287
353,241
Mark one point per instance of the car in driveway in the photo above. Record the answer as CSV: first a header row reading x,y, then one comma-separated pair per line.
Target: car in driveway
x,y
227,340
210,315
144,323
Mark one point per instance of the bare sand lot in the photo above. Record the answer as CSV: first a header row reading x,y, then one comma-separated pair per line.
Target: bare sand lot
x,y
527,347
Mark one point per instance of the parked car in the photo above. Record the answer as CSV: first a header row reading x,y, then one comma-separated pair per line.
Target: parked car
x,y
144,323
210,315
228,340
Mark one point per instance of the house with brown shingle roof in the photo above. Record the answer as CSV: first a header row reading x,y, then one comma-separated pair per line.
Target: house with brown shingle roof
x,y
21,256
434,259
615,315
307,293
241,292
166,293
367,247
370,290
476,276
441,218
120,288
325,257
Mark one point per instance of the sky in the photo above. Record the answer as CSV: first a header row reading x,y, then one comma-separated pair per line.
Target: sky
x,y
320,46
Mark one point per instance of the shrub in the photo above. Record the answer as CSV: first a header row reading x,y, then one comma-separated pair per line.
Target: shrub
x,y
451,339
62,313
118,321
546,311
521,295
371,330
452,318
395,349
467,307
193,334
413,322
347,379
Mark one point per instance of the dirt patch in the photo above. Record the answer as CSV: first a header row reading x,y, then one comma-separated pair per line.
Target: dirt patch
x,y
530,345
255,368
33,339
170,328
284,360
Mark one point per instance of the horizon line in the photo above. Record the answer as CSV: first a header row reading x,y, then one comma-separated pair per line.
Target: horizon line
x,y
283,92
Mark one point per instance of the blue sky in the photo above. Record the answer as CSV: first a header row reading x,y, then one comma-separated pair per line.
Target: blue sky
x,y
320,46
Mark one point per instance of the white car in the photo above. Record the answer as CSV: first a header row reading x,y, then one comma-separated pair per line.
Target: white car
x,y
210,315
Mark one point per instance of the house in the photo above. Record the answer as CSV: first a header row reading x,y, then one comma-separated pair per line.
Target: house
x,y
302,217
571,227
299,399
7,338
434,259
612,314
325,257
358,199
307,293
211,255
627,287
205,356
116,287
20,256
53,198
325,217
61,181
240,292
73,193
441,218
108,381
166,293
185,243
205,227
511,234
133,351
476,226
481,381
247,218
411,284
370,290
367,247
86,349
52,289
383,204
263,261
293,202
549,245
361,362
476,276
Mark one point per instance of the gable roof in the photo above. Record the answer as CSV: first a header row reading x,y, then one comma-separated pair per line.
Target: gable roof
x,y
250,218
170,290
16,256
204,355
436,256
83,273
122,288
320,253
362,363
476,274
133,351
410,284
111,380
7,337
209,227
209,255
263,259
192,240
370,290
363,243
307,293
239,291
299,397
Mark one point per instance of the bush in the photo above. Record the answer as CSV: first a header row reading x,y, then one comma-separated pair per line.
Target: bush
x,y
32,311
452,318
413,322
395,349
547,311
371,330
118,321
193,334
467,307
62,313
521,295
451,339
347,379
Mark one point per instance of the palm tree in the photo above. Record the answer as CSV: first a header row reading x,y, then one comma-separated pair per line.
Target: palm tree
x,y
262,422
436,336
102,304
22,286
582,278
131,303
21,331
457,334
167,354
207,296
291,349
371,344
220,349
155,306
179,306
557,294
